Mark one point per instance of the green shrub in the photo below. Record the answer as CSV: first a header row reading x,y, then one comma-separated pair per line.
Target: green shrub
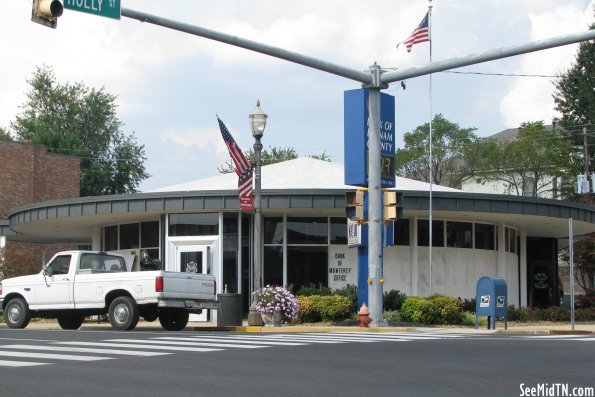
x,y
349,291
437,309
468,318
393,300
584,314
332,307
517,314
393,315
307,313
469,305
311,289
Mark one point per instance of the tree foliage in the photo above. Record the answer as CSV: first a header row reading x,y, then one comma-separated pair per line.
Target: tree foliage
x,y
270,156
5,135
528,165
450,144
77,120
575,97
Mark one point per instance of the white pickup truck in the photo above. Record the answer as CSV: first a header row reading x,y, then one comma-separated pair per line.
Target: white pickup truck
x,y
77,284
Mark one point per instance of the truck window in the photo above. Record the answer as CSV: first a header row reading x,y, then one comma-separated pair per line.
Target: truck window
x,y
59,265
101,263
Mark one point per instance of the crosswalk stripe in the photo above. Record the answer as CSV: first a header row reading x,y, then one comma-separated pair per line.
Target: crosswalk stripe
x,y
182,343
141,346
7,363
224,339
346,338
51,356
85,350
293,338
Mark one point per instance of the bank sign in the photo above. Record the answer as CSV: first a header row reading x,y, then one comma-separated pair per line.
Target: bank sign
x,y
356,112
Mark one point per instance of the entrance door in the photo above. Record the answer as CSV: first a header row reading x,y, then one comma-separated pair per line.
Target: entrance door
x,y
194,259
542,270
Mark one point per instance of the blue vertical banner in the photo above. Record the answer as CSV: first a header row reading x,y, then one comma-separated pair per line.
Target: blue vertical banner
x,y
356,112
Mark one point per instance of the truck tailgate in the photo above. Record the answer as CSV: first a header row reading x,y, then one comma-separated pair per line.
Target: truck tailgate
x,y
178,285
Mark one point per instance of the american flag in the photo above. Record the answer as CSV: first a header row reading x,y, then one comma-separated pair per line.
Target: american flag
x,y
419,35
242,167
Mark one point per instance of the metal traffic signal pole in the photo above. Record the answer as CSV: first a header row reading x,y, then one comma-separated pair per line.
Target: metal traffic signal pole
x,y
374,81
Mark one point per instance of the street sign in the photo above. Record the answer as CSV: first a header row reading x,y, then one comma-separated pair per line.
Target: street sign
x,y
104,8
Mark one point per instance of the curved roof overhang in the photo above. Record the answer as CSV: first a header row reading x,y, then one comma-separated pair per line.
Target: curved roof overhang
x,y
73,220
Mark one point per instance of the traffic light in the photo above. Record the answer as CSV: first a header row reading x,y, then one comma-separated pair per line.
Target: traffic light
x,y
46,12
354,205
392,210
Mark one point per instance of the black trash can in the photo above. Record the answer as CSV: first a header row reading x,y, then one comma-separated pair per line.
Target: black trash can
x,y
230,309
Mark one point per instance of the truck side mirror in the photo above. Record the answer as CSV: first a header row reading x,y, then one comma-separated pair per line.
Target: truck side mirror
x,y
48,271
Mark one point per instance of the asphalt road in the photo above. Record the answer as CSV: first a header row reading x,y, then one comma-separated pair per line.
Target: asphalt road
x,y
103,363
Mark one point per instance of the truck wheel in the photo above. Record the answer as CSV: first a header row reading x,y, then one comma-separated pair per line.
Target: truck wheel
x,y
16,313
71,321
173,319
123,313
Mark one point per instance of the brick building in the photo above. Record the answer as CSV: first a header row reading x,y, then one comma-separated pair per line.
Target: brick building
x,y
29,174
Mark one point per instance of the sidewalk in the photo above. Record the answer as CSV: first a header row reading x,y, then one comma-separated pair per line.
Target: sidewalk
x,y
516,329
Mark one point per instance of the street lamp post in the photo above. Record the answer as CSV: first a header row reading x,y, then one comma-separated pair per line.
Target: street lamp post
x,y
258,121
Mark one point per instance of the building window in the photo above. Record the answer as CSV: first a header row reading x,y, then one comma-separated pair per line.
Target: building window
x,y
273,265
230,252
273,230
307,230
129,236
203,224
307,265
423,233
338,231
511,246
111,238
149,234
485,236
459,234
401,231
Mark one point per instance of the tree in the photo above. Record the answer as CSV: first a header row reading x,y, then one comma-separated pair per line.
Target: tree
x,y
575,97
450,144
81,121
5,135
271,156
528,165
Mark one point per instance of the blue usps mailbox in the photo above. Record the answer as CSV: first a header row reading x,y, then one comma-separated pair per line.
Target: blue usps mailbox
x,y
491,300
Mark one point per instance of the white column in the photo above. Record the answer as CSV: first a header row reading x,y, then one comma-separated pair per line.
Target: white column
x,y
523,265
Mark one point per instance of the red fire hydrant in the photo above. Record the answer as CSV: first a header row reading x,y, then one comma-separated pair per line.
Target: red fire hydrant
x,y
363,316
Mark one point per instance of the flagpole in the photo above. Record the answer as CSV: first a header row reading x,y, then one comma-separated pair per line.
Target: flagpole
x,y
431,161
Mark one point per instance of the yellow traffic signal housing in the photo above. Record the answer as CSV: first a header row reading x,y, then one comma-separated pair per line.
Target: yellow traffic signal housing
x,y
46,12
390,206
354,205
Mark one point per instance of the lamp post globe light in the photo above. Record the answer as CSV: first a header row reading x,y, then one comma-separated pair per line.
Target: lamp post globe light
x,y
258,121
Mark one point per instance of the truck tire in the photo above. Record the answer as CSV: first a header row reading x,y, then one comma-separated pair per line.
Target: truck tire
x,y
71,321
173,319
16,313
123,313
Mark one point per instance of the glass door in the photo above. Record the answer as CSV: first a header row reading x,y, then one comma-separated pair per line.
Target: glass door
x,y
194,259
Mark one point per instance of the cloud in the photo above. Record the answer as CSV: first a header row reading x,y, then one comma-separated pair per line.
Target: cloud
x,y
530,98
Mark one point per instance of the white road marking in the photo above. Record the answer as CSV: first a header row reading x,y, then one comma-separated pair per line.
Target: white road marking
x,y
140,346
85,350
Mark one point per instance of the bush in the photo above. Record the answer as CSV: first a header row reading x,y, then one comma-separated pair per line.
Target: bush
x,y
585,314
469,305
393,300
520,314
333,307
311,289
307,313
328,308
468,318
393,315
349,291
437,309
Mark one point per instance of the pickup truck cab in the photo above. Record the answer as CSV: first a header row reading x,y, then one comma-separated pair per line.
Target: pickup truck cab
x,y
77,284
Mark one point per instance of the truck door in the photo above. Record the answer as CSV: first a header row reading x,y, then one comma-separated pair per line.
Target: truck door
x,y
56,291
196,259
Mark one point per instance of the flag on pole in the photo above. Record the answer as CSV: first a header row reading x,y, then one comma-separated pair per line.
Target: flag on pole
x,y
419,35
242,167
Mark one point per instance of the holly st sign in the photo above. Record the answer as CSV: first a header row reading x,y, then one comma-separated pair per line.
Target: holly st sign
x,y
104,8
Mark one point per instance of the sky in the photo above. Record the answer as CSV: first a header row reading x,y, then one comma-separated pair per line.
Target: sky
x,y
171,85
